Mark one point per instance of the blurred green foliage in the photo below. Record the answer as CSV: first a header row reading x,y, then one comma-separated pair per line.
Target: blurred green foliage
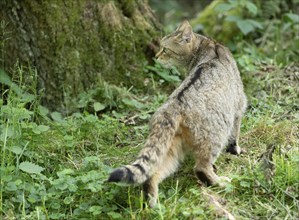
x,y
172,12
270,26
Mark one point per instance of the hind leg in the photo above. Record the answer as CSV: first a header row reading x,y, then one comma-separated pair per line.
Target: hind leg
x,y
168,166
204,168
233,146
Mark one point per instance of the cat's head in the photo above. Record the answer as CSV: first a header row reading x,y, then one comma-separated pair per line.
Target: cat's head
x,y
176,48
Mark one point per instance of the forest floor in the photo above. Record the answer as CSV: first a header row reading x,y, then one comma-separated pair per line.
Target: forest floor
x,y
55,167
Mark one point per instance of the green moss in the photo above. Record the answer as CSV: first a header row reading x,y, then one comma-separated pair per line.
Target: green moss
x,y
128,7
84,43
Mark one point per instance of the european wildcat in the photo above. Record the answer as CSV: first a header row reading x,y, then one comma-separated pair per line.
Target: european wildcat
x,y
201,116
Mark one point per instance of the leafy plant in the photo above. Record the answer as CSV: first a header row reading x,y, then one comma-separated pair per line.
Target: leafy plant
x,y
246,25
166,75
54,166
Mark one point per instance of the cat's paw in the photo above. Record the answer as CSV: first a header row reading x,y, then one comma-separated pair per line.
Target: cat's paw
x,y
223,181
152,201
235,150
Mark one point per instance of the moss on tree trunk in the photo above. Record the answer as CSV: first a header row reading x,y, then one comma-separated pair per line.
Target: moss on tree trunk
x,y
75,44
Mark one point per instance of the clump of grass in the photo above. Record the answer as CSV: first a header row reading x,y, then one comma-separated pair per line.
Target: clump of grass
x,y
267,197
52,164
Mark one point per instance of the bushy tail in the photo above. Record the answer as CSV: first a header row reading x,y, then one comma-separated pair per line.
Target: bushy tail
x,y
163,129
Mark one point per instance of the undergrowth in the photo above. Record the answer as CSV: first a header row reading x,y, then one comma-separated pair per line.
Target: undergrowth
x,y
55,166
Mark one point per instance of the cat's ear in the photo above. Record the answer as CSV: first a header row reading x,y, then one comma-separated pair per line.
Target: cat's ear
x,y
187,34
186,30
183,25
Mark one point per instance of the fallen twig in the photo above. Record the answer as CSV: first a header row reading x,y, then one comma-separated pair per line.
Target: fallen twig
x,y
216,204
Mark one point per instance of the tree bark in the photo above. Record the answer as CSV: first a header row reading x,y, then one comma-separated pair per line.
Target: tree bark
x,y
74,44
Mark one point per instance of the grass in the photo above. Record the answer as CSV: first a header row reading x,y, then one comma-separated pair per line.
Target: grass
x,y
55,167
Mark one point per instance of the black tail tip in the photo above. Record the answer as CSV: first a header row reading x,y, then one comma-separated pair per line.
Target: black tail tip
x,y
116,176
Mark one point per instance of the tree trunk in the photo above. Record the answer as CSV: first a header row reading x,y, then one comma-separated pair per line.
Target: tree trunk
x,y
76,44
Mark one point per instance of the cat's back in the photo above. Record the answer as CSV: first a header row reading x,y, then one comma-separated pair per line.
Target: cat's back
x,y
213,87
210,82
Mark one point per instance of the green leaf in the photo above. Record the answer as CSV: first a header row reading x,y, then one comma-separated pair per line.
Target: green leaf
x,y
65,172
251,7
245,26
40,129
292,17
98,106
18,182
68,137
234,2
96,210
32,198
233,18
56,116
43,110
11,186
57,216
8,132
16,149
255,23
26,97
68,200
223,7
55,205
6,178
29,167
72,187
186,213
133,103
168,78
17,113
114,215
5,79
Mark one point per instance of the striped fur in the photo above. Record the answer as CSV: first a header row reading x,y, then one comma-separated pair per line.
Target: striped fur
x,y
201,116
163,129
